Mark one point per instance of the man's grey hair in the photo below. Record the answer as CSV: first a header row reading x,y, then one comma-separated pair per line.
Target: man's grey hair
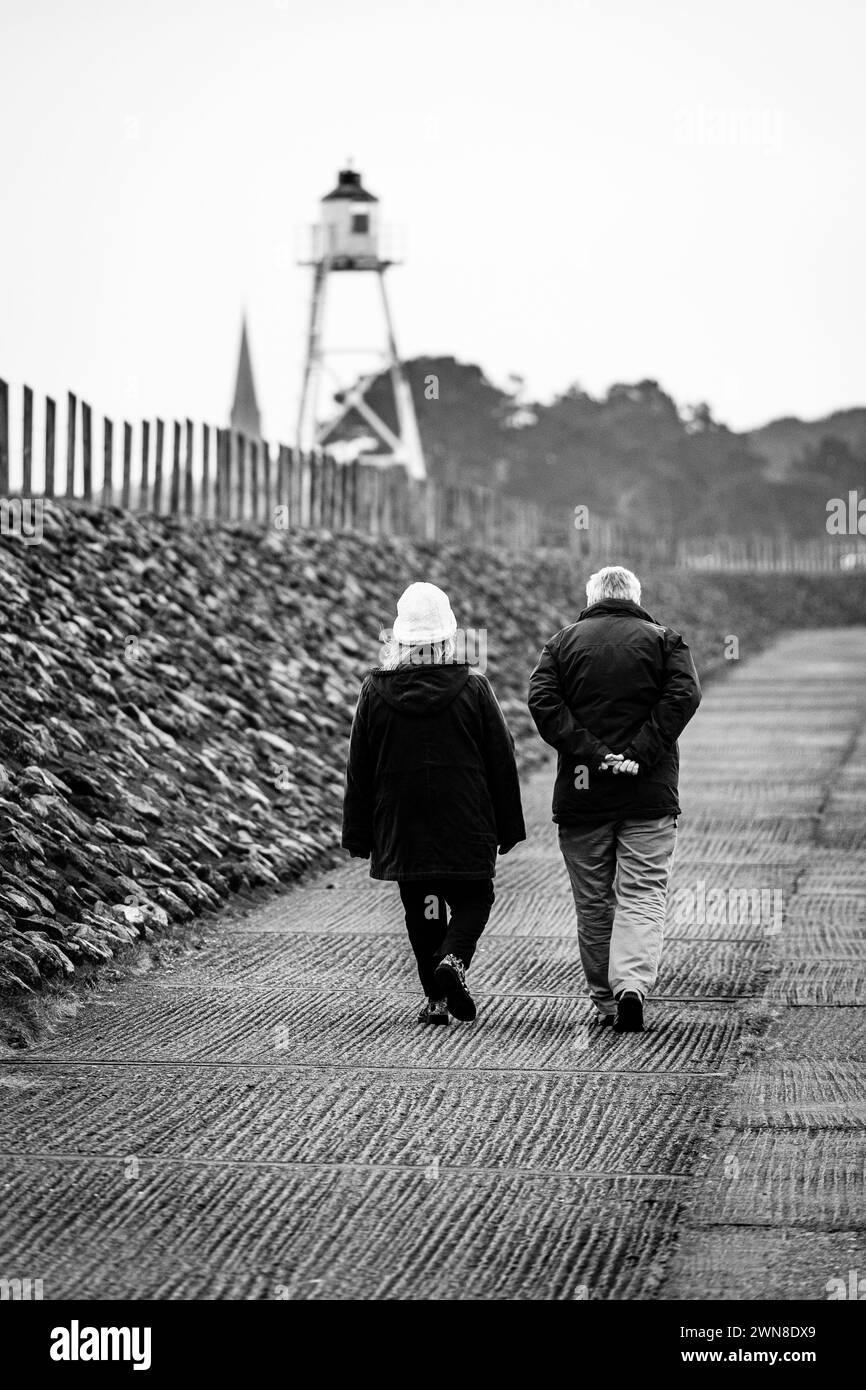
x,y
612,582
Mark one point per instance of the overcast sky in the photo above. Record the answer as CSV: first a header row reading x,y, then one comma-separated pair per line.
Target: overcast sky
x,y
592,191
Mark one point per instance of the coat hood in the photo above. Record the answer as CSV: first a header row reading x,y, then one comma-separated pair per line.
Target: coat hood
x,y
420,691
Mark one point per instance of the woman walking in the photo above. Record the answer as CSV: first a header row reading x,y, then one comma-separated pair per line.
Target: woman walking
x,y
431,792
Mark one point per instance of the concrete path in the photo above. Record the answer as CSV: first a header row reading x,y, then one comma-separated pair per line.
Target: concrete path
x,y
265,1119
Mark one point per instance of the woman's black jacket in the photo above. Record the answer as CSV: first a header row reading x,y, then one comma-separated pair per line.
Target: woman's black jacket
x,y
431,779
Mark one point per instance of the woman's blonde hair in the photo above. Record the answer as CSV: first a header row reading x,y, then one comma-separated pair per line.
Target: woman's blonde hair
x,y
396,653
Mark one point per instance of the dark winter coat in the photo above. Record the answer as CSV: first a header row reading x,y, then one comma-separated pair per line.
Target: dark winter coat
x,y
431,779
616,681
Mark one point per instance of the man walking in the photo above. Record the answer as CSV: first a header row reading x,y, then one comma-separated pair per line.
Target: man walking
x,y
611,693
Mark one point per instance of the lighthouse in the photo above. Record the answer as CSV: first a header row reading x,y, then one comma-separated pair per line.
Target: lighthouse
x,y
349,239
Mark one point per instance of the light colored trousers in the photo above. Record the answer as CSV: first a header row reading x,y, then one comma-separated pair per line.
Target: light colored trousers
x,y
619,875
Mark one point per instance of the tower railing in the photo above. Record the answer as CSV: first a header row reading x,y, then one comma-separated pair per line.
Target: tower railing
x,y
313,244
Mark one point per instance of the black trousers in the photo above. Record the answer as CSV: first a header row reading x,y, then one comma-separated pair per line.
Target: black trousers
x,y
431,933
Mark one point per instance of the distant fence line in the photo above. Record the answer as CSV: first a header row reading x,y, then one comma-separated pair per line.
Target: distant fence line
x,y
771,553
206,472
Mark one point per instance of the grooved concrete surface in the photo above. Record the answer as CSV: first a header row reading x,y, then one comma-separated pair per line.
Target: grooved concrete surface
x,y
264,1119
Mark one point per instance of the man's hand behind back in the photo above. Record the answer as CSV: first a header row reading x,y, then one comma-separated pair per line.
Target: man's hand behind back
x,y
616,762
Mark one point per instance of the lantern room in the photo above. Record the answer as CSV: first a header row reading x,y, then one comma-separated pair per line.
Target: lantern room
x,y
348,232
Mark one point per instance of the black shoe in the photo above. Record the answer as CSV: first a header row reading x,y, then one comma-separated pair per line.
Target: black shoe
x,y
434,1011
629,1012
450,978
605,1020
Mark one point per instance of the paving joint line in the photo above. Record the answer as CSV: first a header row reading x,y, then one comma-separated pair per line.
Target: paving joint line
x,y
340,1067
477,1169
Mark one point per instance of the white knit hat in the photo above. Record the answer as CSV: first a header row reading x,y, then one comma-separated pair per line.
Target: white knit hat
x,y
423,615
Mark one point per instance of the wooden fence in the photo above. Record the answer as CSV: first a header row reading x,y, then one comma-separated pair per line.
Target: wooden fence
x,y
778,554
204,472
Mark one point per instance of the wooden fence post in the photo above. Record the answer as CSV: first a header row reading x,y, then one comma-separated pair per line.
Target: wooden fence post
x,y
486,519
333,487
188,500
241,457
219,474
50,427
283,482
419,505
231,487
86,452
387,502
441,502
269,466
205,508
174,492
413,507
383,496
262,486
352,514
337,511
325,506
371,499
431,493
27,444
4,439
297,487
305,485
296,483
71,412
144,481
313,487
404,513
288,471
345,497
358,496
255,490
157,467
108,462
127,466
402,519
322,467
229,475
336,495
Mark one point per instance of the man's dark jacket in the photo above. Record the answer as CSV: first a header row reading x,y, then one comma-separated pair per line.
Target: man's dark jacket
x,y
616,681
431,780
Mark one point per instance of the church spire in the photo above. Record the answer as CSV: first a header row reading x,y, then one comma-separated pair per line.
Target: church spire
x,y
245,416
